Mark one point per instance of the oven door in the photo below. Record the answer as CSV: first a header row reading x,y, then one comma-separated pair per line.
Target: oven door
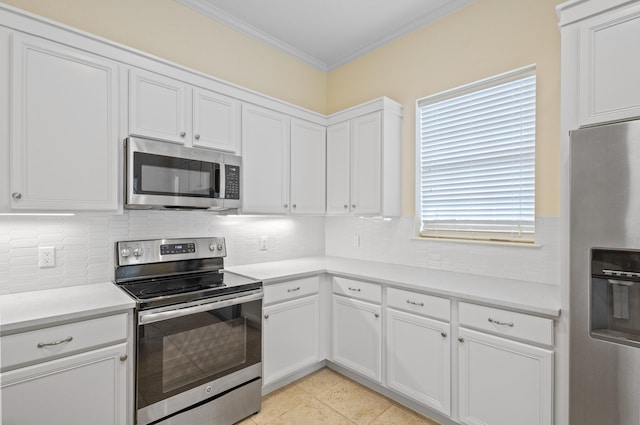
x,y
192,353
160,174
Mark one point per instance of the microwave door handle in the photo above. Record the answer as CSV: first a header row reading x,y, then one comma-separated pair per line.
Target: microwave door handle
x,y
146,318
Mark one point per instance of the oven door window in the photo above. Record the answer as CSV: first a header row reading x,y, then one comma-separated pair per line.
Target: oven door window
x,y
181,353
170,176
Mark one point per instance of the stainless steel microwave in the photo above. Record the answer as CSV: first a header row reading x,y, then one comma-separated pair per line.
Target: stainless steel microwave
x,y
161,175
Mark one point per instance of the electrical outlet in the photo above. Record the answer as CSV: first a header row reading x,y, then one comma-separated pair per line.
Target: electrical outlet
x,y
356,240
264,244
46,257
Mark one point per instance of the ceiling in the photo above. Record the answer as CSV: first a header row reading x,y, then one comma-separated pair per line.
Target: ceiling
x,y
326,33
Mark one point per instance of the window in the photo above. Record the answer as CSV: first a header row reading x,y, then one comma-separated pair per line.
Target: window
x,y
476,160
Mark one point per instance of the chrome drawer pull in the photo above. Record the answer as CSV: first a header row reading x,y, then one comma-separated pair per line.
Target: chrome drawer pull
x,y
354,289
414,303
497,322
47,344
444,334
293,289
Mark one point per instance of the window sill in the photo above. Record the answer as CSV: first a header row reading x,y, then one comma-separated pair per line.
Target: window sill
x,y
476,242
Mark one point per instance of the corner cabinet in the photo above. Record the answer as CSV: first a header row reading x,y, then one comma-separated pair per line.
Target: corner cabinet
x,y
170,110
64,140
364,147
283,163
598,39
68,373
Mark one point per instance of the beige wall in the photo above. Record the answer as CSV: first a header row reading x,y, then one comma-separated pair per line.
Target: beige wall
x,y
487,38
171,31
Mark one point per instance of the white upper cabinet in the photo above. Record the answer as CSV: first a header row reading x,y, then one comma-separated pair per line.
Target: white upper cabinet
x,y
265,160
167,109
599,41
307,167
216,121
366,165
283,163
64,139
157,107
363,160
338,163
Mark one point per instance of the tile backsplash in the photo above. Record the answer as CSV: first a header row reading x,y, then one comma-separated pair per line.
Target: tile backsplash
x,y
84,244
392,241
84,250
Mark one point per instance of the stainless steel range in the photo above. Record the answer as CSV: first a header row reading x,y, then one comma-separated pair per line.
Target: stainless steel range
x,y
199,336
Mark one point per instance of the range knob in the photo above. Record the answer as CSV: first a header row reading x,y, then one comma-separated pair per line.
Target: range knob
x,y
219,246
137,252
212,246
125,252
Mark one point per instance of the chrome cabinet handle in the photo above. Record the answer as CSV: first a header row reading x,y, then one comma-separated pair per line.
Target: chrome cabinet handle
x,y
196,136
498,322
461,339
354,289
293,289
444,334
294,205
286,205
376,315
266,316
123,358
48,344
415,303
16,195
353,206
182,134
346,206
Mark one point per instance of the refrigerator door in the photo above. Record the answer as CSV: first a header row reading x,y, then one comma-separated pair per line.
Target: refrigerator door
x,y
605,213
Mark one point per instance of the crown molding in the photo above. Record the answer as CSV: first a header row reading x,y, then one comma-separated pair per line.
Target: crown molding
x,y
206,9
239,25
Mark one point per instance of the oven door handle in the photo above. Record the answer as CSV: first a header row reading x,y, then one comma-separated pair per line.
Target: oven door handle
x,y
146,318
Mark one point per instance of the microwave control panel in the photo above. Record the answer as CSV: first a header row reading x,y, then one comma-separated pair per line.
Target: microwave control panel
x,y
231,182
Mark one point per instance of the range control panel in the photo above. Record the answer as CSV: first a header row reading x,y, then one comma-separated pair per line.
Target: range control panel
x,y
163,250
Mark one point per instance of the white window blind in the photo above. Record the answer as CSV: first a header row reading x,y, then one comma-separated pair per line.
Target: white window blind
x,y
477,160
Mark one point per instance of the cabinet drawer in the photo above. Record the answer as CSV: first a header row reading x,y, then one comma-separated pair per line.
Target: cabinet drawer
x,y
507,323
436,307
358,289
291,289
43,344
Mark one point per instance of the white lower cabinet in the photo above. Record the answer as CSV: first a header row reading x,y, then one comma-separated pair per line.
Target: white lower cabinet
x,y
71,374
86,388
291,328
503,382
419,359
357,336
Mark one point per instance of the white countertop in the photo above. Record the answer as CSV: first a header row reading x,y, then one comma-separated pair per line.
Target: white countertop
x,y
29,310
527,297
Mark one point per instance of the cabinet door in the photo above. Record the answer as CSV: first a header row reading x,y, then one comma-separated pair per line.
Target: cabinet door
x,y
291,337
609,88
69,391
366,164
418,359
357,336
265,160
502,382
216,121
307,168
157,107
64,145
338,168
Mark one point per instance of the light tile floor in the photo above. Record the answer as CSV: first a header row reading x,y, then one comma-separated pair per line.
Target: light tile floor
x,y
328,398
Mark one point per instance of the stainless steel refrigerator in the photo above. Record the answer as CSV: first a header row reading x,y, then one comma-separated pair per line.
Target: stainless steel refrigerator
x,y
605,275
